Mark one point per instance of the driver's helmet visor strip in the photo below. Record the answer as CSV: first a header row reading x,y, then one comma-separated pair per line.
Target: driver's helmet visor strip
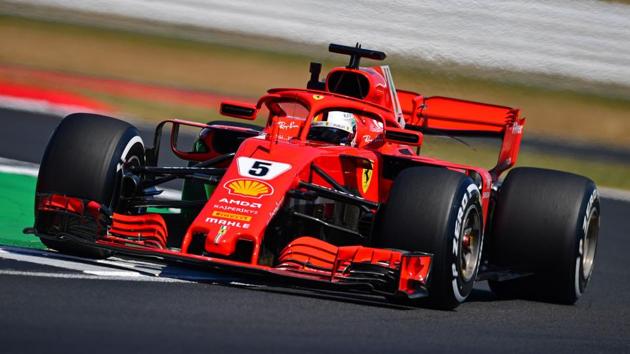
x,y
336,127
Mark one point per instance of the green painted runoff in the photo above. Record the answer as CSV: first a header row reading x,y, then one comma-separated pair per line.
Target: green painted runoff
x,y
16,206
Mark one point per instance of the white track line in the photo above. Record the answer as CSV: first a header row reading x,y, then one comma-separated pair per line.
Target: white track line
x,y
44,258
126,265
18,167
31,169
84,276
41,106
616,194
86,269
113,268
108,266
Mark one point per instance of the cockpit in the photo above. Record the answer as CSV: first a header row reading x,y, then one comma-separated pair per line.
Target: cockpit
x,y
325,124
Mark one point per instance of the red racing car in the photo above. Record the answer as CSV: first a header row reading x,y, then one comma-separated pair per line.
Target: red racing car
x,y
333,192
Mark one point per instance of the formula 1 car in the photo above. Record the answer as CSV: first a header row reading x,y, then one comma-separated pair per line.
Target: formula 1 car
x,y
333,192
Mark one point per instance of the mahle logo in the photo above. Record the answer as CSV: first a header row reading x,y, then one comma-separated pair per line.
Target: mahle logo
x,y
248,188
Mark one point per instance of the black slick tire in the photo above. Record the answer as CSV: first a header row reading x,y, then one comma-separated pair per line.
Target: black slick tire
x,y
425,212
545,223
84,159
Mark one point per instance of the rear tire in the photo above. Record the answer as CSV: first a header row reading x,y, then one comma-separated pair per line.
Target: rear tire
x,y
547,223
438,211
84,159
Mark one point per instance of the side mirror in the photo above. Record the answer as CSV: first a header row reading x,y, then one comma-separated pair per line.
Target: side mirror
x,y
239,110
403,136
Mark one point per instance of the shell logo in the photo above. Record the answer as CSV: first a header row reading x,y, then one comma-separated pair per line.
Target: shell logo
x,y
248,188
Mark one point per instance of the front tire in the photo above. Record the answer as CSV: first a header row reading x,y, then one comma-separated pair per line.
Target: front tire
x,y
438,211
85,159
545,223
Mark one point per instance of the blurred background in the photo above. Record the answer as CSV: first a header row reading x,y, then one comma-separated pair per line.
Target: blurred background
x,y
566,64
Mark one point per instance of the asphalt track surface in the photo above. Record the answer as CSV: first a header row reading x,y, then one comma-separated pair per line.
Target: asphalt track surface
x,y
41,312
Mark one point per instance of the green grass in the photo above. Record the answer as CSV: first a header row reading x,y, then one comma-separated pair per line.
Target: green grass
x,y
577,111
17,206
555,107
605,173
18,191
140,108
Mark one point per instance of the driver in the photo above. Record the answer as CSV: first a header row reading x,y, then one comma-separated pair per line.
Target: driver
x,y
334,127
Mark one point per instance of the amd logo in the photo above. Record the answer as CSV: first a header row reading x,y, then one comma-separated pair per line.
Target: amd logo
x,y
240,203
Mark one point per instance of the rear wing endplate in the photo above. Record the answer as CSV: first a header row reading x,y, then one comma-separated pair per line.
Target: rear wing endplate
x,y
444,115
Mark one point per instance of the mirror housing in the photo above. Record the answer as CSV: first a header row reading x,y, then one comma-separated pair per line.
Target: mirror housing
x,y
403,136
238,109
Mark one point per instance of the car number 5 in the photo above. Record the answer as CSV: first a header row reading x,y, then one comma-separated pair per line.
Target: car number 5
x,y
259,169
262,169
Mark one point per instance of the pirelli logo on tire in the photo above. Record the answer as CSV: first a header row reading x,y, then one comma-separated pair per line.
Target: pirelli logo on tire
x,y
232,216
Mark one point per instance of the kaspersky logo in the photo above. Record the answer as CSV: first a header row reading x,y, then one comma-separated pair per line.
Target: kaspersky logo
x,y
245,187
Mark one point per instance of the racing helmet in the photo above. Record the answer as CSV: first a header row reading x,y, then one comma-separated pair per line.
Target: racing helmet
x,y
335,127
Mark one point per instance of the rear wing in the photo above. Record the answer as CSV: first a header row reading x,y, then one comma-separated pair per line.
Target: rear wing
x,y
444,115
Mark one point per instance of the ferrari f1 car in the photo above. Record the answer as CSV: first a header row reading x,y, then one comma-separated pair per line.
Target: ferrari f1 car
x,y
333,191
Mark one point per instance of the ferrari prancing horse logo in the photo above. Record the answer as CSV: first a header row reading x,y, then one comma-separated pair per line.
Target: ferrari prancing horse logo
x,y
222,230
366,178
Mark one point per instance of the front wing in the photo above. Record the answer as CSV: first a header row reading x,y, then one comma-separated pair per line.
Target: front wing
x,y
306,261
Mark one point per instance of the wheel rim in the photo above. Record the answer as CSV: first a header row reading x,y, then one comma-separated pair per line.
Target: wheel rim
x,y
590,243
131,158
470,244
